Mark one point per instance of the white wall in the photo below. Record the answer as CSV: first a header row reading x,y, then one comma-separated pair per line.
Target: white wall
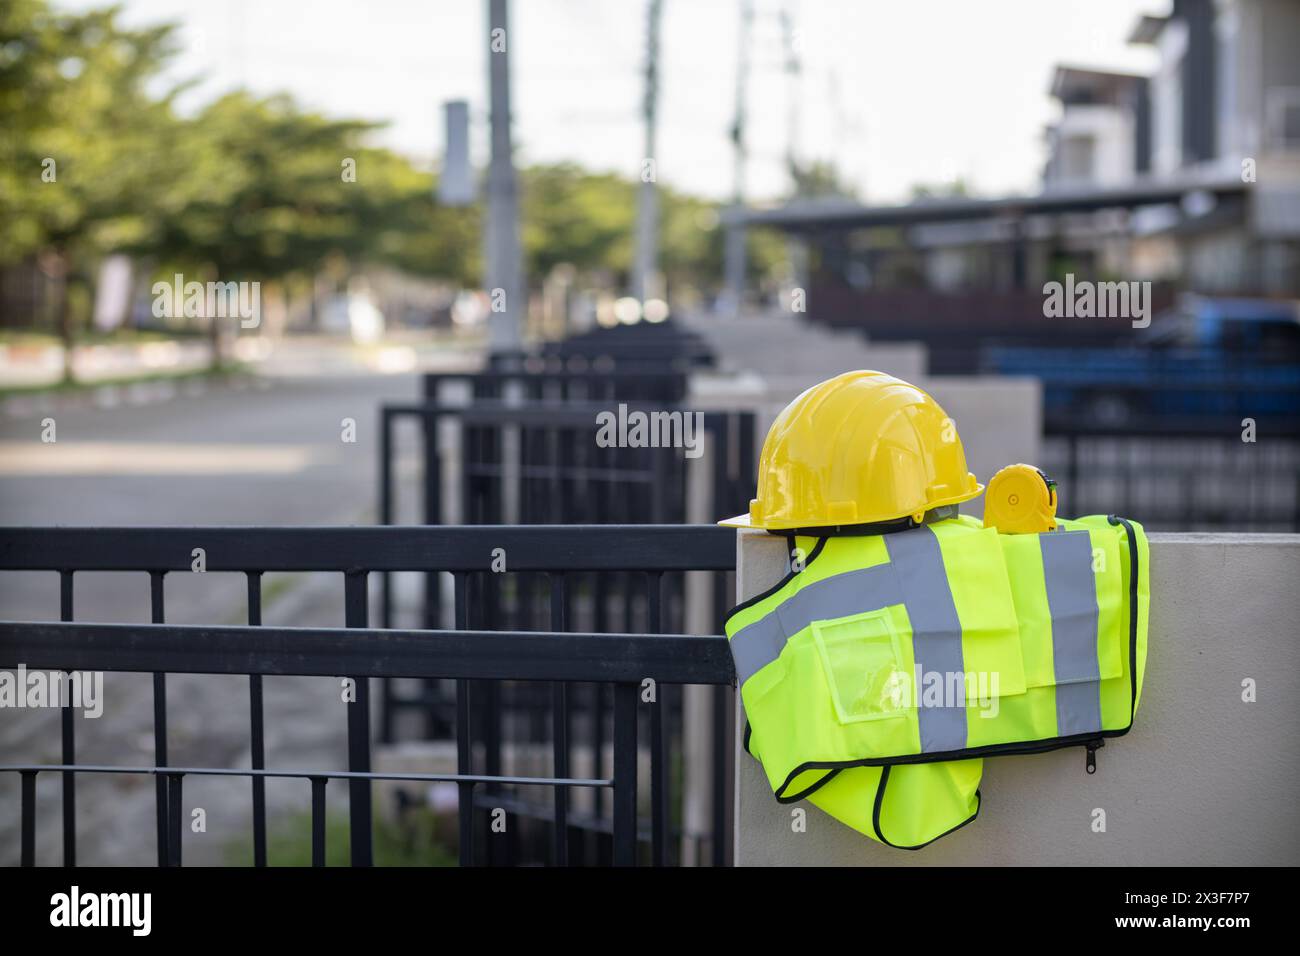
x,y
1109,132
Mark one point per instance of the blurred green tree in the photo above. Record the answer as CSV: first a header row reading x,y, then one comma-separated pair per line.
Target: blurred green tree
x,y
586,220
97,160
87,156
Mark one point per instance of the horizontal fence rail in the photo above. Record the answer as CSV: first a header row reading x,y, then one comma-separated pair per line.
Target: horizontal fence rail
x,y
391,548
540,380
467,654
369,652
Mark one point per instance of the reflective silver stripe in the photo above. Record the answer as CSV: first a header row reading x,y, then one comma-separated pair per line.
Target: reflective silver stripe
x,y
936,632
757,645
760,643
1072,600
850,593
914,577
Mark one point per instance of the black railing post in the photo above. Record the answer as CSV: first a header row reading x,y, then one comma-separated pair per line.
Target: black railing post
x,y
69,740
625,757
175,814
318,821
257,741
385,509
722,763
387,701
560,729
27,854
159,720
432,612
356,615
432,493
464,748
659,781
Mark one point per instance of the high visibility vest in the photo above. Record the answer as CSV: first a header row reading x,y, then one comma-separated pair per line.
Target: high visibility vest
x,y
882,668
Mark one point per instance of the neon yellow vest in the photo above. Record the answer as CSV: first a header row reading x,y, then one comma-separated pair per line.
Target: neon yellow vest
x,y
876,676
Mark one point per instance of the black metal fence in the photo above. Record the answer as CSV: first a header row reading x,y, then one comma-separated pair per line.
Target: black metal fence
x,y
474,659
528,453
1190,476
654,346
523,448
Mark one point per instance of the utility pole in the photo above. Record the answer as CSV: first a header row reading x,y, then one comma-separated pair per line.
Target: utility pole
x,y
794,75
734,253
503,276
796,248
645,273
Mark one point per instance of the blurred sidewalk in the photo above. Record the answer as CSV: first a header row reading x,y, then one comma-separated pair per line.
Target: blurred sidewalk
x,y
112,376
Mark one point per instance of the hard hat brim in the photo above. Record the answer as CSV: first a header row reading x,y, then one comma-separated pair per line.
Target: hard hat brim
x,y
745,520
740,521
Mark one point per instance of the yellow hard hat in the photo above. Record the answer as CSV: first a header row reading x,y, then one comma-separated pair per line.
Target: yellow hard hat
x,y
860,448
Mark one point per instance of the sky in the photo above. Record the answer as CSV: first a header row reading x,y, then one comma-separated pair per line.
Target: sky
x,y
893,92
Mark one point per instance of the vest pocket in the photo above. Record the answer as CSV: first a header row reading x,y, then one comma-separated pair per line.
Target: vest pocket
x,y
861,658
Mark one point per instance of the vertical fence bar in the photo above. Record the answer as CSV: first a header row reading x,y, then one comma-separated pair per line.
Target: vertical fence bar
x,y
722,704
27,855
69,741
385,510
659,782
387,702
491,701
560,728
490,458
174,814
318,821
598,745
356,615
721,720
159,720
432,494
431,486
625,756
256,727
464,753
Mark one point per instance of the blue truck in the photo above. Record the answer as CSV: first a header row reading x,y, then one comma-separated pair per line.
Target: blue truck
x,y
1207,359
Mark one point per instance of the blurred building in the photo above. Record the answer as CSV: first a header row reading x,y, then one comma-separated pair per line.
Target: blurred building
x,y
1188,178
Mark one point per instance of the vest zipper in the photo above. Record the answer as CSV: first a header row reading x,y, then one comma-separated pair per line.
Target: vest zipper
x,y
1093,746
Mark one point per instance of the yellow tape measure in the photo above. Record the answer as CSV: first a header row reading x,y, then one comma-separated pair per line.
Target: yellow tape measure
x,y
1020,499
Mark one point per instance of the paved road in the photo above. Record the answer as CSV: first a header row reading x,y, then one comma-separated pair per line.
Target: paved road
x,y
266,454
